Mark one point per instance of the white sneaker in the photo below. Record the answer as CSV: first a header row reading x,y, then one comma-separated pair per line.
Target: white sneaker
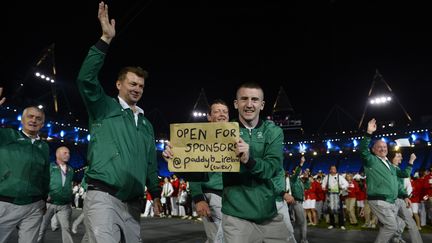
x,y
330,227
343,228
74,230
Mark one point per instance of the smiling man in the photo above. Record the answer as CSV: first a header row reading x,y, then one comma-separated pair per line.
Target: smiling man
x,y
24,177
248,201
382,183
121,153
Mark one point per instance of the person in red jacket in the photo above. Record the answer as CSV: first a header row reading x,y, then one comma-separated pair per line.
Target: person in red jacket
x,y
427,180
415,199
310,201
175,182
361,194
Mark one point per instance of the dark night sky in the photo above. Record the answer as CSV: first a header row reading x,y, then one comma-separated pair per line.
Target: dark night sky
x,y
322,54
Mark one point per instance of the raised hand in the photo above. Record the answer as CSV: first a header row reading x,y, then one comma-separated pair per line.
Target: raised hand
x,y
412,158
2,100
302,160
371,126
108,27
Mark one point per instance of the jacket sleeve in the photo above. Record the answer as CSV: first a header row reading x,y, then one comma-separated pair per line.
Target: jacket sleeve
x,y
295,177
279,182
324,183
404,173
365,153
152,180
266,167
343,183
196,191
91,91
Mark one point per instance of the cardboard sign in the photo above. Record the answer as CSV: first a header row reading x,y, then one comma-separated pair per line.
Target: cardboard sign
x,y
204,147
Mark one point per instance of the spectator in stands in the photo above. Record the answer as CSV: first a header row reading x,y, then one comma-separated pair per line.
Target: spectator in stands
x,y
23,190
122,152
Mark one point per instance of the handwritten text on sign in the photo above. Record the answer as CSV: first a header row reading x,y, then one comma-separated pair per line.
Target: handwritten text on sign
x,y
204,147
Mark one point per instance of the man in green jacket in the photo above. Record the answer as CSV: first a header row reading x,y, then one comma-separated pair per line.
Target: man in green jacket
x,y
403,204
24,177
122,151
60,195
207,195
297,190
382,183
248,200
283,197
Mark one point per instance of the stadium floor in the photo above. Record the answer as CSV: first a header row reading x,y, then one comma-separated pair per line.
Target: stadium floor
x,y
177,230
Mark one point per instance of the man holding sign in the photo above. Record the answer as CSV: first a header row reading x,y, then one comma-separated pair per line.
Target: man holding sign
x,y
248,201
208,195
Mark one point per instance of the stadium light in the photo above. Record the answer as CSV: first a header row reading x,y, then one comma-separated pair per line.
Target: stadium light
x,y
380,100
44,77
199,114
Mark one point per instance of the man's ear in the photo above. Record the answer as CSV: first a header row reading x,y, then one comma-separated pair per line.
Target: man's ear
x,y
118,84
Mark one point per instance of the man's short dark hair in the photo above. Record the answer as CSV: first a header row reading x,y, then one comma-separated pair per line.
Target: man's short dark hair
x,y
217,101
136,70
250,85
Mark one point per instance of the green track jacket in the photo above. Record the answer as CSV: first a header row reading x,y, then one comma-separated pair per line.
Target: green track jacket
x,y
120,153
24,167
59,194
381,181
250,194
